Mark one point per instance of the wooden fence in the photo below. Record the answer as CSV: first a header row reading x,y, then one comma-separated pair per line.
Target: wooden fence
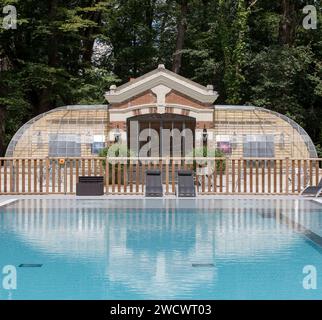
x,y
127,175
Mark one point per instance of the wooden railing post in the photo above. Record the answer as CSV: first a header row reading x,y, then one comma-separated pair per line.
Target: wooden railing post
x,y
65,177
293,176
77,170
34,175
299,172
125,176
257,175
173,169
107,175
137,173
227,174
251,176
263,177
59,176
275,176
245,175
305,177
41,175
167,175
53,176
143,175
269,176
95,167
131,175
317,169
209,175
287,168
5,178
17,171
119,176
220,175
215,176
113,176
47,175
233,176
29,175
311,172
12,174
239,176
281,176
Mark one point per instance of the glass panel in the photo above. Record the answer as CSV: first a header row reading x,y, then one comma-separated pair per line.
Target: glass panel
x,y
259,146
64,145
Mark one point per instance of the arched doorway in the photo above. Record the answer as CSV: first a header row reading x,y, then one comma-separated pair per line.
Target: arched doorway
x,y
162,123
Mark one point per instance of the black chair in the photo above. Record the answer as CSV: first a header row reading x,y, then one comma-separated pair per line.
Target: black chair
x,y
313,191
186,185
153,183
90,186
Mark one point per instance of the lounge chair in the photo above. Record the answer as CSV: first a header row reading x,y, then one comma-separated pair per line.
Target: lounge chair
x,y
313,191
153,183
186,185
90,186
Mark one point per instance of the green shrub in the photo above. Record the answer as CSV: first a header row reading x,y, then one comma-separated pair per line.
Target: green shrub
x,y
203,152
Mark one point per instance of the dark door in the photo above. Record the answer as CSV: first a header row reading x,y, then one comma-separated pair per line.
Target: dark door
x,y
161,122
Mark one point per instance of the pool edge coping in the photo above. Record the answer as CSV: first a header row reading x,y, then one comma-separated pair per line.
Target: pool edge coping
x,y
7,202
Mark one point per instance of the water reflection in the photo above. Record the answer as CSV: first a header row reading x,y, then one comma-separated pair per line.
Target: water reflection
x,y
68,227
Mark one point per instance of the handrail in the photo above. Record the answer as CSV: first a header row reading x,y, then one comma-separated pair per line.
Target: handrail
x,y
157,158
126,175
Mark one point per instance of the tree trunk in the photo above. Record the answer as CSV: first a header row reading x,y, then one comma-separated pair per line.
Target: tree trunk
x,y
43,101
88,51
181,31
53,39
89,39
149,14
287,23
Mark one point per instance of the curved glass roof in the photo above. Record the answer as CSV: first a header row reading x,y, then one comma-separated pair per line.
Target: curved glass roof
x,y
81,126
304,135
78,122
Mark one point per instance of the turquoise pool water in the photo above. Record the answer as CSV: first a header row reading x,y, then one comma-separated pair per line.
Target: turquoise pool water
x,y
162,249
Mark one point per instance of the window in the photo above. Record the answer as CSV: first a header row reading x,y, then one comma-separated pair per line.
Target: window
x,y
259,146
98,144
64,145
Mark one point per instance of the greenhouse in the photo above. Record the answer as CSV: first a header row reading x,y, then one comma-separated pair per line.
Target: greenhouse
x,y
161,100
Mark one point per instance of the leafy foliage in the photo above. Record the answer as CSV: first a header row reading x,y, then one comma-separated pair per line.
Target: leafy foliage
x,y
69,52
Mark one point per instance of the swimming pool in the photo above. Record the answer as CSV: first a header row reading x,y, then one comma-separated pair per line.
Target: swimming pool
x,y
161,249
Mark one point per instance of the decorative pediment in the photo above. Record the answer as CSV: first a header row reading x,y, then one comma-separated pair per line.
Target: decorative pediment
x,y
161,82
